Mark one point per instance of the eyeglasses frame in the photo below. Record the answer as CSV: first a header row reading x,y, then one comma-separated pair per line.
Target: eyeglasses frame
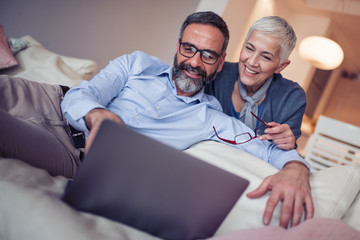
x,y
251,138
201,52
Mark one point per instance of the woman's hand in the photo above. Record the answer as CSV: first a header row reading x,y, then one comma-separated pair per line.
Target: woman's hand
x,y
280,134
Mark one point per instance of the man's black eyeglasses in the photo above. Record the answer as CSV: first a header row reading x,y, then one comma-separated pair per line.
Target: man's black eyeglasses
x,y
207,56
243,137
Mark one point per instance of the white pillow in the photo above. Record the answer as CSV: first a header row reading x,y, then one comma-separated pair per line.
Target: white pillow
x,y
41,65
333,189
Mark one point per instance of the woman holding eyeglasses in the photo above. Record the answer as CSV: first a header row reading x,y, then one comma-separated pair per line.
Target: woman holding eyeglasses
x,y
255,84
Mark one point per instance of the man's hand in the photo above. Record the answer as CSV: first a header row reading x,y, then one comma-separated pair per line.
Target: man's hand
x,y
93,120
290,186
280,134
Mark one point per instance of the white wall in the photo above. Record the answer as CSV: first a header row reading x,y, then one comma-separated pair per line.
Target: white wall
x,y
237,16
98,30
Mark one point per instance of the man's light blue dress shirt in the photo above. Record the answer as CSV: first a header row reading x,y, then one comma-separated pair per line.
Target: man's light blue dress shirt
x,y
140,90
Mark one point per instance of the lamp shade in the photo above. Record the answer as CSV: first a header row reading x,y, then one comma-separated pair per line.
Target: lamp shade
x,y
321,52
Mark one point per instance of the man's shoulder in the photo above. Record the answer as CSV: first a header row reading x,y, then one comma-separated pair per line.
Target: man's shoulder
x,y
146,63
145,57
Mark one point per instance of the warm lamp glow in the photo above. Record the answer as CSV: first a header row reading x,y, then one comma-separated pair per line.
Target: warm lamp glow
x,y
321,52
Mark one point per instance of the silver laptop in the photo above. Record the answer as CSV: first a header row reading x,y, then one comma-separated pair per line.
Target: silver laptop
x,y
145,184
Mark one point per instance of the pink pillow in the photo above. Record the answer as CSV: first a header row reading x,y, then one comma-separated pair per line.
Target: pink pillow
x,y
312,229
6,57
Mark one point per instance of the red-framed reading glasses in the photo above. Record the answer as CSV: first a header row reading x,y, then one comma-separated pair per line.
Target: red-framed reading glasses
x,y
244,137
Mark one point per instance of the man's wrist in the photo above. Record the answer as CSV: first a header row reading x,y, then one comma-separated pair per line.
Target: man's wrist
x,y
298,163
92,116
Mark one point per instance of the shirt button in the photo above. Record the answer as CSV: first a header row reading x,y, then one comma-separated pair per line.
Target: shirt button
x,y
137,116
157,107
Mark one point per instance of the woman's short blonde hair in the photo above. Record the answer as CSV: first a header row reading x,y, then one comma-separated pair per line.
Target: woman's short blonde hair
x,y
278,28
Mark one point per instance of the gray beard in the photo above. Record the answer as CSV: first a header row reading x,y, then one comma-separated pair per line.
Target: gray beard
x,y
188,84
